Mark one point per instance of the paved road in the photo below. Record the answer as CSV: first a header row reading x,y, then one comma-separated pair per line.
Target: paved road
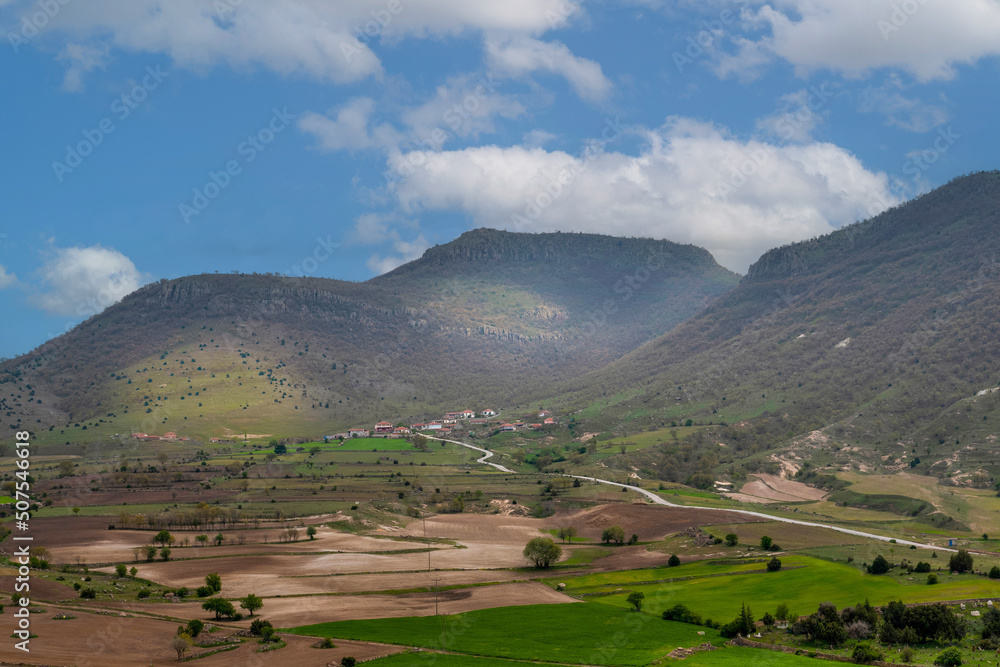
x,y
660,501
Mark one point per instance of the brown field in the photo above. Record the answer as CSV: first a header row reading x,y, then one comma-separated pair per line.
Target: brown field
x,y
99,640
788,536
764,488
649,522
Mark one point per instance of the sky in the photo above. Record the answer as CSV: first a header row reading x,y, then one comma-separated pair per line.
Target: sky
x,y
152,139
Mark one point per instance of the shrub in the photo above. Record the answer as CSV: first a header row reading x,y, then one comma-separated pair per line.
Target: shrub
x,y
258,625
774,564
879,566
922,567
194,627
143,593
674,561
681,614
950,657
859,630
995,572
732,539
960,562
348,661
88,593
931,579
121,570
203,591
907,654
865,653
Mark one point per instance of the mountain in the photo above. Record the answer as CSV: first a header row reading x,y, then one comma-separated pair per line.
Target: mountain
x,y
491,319
873,348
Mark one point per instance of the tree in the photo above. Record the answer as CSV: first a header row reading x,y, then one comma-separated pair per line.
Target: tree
x,y
732,539
542,551
194,627
767,620
251,603
991,623
674,561
634,539
180,643
865,653
567,533
879,566
635,599
774,564
219,539
960,562
782,613
257,626
164,538
202,539
133,571
613,534
950,657
165,553
681,614
741,625
279,448
311,532
65,468
220,606
922,567
120,570
213,581
348,661
994,572
150,552
932,579
766,542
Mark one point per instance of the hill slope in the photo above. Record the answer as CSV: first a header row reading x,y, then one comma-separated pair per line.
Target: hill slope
x,y
489,319
878,334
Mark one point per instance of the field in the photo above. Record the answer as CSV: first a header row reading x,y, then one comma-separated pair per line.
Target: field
x,y
581,633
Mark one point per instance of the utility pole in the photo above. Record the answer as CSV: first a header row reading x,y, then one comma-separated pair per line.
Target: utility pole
x,y
436,580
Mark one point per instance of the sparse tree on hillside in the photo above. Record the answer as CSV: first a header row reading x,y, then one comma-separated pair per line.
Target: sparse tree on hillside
x,y
180,643
251,603
960,562
635,599
219,539
213,581
674,561
766,542
220,606
732,539
566,534
164,538
613,534
542,551
311,532
879,566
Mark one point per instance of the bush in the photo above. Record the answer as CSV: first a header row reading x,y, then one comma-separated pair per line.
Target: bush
x,y
194,627
542,551
865,653
774,564
143,593
88,593
613,534
327,643
931,579
766,542
674,561
204,591
950,657
907,654
121,570
960,562
732,539
922,567
879,566
257,627
681,614
994,572
348,661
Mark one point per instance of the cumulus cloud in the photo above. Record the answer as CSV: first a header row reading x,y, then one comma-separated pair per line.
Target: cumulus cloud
x,y
519,56
347,127
80,59
6,279
927,39
692,182
907,113
329,41
83,281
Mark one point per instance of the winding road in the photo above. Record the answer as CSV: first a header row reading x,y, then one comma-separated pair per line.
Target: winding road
x,y
660,501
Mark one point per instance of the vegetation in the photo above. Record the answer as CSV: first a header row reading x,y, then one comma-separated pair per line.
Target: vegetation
x,y
542,552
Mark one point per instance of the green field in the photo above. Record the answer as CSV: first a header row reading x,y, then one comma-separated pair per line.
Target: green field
x,y
362,445
573,633
814,581
728,657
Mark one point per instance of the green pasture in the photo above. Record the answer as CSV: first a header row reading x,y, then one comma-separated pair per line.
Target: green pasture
x,y
810,582
571,633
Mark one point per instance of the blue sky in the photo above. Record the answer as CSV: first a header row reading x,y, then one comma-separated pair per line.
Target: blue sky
x,y
147,139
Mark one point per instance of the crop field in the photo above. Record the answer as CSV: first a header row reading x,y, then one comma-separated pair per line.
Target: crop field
x,y
802,583
576,633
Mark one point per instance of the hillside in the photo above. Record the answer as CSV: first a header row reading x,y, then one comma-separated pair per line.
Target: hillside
x,y
490,319
864,349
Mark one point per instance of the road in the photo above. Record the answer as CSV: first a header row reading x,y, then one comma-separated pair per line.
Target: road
x,y
661,501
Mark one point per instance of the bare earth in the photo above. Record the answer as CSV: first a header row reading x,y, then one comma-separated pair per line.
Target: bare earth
x,y
772,488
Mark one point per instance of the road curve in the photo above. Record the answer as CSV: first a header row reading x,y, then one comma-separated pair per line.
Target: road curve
x,y
660,501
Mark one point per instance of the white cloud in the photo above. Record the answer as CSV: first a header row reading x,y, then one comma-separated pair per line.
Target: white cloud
x,y
688,184
798,116
81,58
907,113
381,229
6,279
328,41
519,56
84,281
927,39
347,128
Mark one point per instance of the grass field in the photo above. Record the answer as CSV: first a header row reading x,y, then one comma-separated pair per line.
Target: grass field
x,y
362,445
573,633
813,581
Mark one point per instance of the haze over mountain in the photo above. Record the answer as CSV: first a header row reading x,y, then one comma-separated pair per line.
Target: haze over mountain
x,y
490,319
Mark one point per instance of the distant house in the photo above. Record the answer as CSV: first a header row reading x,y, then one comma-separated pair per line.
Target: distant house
x,y
419,427
434,426
383,427
544,413
213,439
508,427
452,415
358,433
536,426
519,424
479,422
466,414
444,431
401,430
449,420
169,435
489,413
